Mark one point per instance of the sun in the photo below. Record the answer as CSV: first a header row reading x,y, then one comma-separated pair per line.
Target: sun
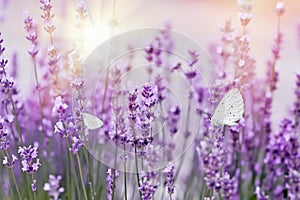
x,y
94,35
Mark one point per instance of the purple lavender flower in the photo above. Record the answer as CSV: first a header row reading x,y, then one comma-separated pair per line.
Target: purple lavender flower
x,y
53,188
213,162
294,184
160,88
166,38
260,194
33,185
76,145
53,57
149,52
4,142
110,182
148,185
47,16
3,61
82,15
7,84
212,175
30,162
173,119
282,155
146,114
76,74
149,94
66,127
15,65
59,107
10,164
193,58
272,74
266,114
191,72
31,29
169,171
60,129
120,133
296,107
229,187
132,105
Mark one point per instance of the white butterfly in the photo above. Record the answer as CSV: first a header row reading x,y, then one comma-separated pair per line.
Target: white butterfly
x,y
91,122
230,109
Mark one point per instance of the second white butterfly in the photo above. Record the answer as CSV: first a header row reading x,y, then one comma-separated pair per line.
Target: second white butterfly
x,y
229,110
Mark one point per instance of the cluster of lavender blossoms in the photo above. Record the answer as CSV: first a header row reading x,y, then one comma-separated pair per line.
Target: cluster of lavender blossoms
x,y
30,162
53,187
157,140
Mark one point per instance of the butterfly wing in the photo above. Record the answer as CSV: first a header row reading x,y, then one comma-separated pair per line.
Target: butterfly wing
x,y
219,114
234,107
91,122
229,110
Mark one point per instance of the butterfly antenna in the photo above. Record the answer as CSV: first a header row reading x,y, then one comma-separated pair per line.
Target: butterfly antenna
x,y
201,112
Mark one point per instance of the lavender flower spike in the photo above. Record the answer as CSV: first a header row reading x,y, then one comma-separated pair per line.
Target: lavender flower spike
x,y
169,171
33,185
110,182
10,164
30,161
53,187
148,185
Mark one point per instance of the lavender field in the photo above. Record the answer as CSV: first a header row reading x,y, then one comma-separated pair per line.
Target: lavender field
x,y
140,100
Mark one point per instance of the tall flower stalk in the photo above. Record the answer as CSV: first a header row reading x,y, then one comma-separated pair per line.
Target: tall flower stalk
x,y
32,36
53,57
133,112
8,161
8,89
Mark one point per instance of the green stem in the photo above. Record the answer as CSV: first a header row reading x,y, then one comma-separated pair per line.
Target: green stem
x,y
40,100
14,111
68,176
15,115
115,165
10,126
125,181
203,189
81,177
90,165
92,191
136,159
137,170
98,176
14,177
73,168
163,131
11,193
116,151
26,179
220,196
15,182
90,173
187,123
34,192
